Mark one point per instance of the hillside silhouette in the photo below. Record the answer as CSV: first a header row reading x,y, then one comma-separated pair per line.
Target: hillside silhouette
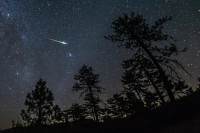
x,y
182,116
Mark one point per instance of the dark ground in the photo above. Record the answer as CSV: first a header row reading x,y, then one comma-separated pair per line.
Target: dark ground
x,y
180,117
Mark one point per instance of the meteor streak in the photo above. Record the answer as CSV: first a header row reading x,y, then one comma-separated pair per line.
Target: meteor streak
x,y
61,42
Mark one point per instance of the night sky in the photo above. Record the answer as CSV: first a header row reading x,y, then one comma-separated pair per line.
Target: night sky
x,y
27,54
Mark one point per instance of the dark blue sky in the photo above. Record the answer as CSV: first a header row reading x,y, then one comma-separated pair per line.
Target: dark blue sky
x,y
27,54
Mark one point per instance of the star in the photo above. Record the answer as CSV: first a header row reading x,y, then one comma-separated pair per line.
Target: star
x,y
48,3
70,54
190,65
17,73
10,88
8,15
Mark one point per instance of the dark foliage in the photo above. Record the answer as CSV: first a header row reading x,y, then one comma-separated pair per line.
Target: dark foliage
x,y
76,112
124,105
40,109
180,117
87,85
152,49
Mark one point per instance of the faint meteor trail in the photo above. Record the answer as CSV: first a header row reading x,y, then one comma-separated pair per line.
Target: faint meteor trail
x,y
61,42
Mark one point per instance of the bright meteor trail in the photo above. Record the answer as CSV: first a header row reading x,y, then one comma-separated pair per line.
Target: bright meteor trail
x,y
61,42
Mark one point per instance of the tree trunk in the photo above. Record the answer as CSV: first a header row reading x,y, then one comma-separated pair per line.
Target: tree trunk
x,y
94,111
154,85
39,121
166,83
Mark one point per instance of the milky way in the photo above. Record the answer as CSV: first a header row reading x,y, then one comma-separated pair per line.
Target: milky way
x,y
26,54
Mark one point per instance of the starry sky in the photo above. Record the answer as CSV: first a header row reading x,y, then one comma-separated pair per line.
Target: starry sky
x,y
27,53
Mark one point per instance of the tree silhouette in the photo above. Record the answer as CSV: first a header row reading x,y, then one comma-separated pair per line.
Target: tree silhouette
x,y
76,112
133,33
87,85
57,115
117,106
134,104
141,77
40,109
180,88
124,105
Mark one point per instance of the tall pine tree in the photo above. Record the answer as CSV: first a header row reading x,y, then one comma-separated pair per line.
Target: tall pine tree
x,y
152,43
40,109
87,84
76,112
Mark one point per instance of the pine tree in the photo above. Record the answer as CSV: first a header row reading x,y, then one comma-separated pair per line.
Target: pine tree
x,y
124,105
40,108
87,85
133,33
57,115
76,112
117,106
142,78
